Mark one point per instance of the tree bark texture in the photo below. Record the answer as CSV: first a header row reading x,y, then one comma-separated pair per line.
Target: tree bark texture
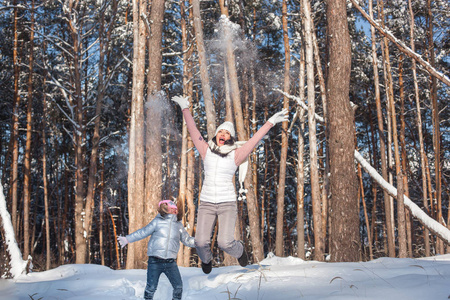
x,y
15,124
27,158
203,64
279,240
136,162
301,162
344,238
381,135
314,177
436,124
426,233
155,102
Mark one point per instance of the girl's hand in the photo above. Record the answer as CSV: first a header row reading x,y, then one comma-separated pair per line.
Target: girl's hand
x,y
122,241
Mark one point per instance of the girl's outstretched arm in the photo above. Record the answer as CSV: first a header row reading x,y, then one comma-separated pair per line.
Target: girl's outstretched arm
x,y
242,152
199,142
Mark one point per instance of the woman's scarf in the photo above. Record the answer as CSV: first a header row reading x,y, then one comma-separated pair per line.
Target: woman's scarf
x,y
225,149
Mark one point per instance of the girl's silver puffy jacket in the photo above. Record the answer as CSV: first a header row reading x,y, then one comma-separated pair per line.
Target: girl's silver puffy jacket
x,y
166,233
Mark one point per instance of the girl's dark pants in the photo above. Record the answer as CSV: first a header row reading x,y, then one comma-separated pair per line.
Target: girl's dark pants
x,y
169,267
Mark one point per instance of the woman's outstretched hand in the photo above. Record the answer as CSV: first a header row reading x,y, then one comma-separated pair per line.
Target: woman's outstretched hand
x,y
122,241
183,102
280,116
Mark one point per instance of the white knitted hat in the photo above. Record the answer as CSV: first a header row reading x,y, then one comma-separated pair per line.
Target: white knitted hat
x,y
228,126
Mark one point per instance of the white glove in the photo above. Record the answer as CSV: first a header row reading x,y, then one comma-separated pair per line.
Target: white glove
x,y
183,102
280,116
122,241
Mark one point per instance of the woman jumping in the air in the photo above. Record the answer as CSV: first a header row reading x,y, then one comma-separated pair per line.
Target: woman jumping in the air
x,y
221,157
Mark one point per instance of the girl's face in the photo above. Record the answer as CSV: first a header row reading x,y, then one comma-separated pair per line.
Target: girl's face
x,y
222,136
168,209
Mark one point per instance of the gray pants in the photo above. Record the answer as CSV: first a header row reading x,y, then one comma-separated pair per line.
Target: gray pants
x,y
208,213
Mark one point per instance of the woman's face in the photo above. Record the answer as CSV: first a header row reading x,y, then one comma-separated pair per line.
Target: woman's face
x,y
222,136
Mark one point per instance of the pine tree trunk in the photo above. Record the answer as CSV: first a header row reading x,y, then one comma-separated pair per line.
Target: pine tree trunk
x,y
15,124
27,158
404,158
436,125
344,237
184,141
401,228
393,136
388,97
374,162
104,51
44,173
190,159
325,165
386,197
136,163
426,233
101,210
153,150
300,162
315,189
366,216
80,240
203,64
279,240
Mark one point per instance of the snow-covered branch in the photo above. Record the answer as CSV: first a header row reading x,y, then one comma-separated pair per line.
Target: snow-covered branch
x,y
301,103
434,226
402,47
426,220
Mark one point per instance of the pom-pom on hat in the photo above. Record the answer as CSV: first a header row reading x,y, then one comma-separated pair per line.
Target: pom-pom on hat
x,y
228,126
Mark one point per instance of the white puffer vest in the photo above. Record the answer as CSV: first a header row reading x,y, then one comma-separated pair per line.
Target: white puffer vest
x,y
218,185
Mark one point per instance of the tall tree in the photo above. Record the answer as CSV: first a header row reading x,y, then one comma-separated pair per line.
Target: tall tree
x,y
426,233
136,162
300,160
314,177
203,64
15,123
44,172
387,199
344,237
436,123
104,53
75,24
153,150
404,158
27,158
279,238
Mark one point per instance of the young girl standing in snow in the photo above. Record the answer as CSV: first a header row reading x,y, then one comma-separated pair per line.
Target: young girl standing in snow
x,y
221,156
166,233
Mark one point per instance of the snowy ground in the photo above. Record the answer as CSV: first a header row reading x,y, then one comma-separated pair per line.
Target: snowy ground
x,y
274,279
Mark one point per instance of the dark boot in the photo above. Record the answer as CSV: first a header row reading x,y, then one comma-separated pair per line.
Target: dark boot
x,y
243,260
206,268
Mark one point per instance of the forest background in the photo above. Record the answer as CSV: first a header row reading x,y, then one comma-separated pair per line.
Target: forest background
x,y
90,141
